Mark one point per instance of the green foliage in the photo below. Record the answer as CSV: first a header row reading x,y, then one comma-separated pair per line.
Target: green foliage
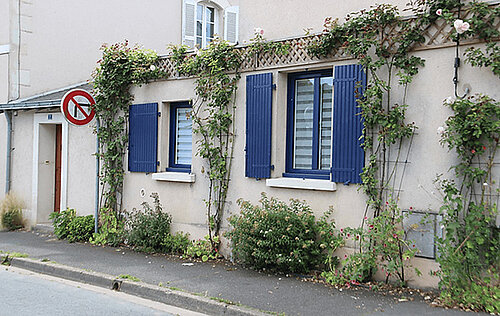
x,y
11,216
259,45
202,248
81,228
129,277
473,131
111,230
120,67
490,57
470,251
217,74
382,245
71,227
61,222
281,237
176,243
13,219
149,228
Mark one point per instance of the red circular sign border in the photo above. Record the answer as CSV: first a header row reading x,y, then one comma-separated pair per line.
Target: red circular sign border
x,y
65,102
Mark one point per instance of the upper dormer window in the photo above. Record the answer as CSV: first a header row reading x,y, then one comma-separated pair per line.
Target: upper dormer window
x,y
205,24
203,20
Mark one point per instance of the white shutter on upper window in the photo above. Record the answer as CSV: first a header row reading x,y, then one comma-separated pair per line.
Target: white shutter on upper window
x,y
231,15
188,22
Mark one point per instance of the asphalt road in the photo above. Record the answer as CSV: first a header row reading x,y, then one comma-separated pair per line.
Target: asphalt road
x,y
26,293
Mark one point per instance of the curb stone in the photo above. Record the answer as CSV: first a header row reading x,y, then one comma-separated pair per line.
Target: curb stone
x,y
176,298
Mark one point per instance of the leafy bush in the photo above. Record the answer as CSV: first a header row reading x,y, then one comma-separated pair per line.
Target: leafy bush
x,y
81,228
281,237
11,212
202,248
71,227
61,222
111,231
177,243
150,228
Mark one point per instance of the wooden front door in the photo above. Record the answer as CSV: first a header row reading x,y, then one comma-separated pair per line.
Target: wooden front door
x,y
57,182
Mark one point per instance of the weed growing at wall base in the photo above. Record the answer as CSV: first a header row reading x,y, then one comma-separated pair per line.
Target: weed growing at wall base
x,y
11,216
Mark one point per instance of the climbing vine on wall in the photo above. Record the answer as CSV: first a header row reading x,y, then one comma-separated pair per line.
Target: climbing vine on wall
x,y
120,67
380,30
216,69
217,74
469,251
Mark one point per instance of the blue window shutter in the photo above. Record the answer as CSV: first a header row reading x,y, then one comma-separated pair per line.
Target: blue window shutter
x,y
348,156
258,125
143,137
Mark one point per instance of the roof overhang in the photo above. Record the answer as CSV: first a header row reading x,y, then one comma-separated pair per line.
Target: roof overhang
x,y
46,100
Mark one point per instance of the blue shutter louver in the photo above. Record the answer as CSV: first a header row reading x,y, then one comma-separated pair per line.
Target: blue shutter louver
x,y
259,91
348,156
143,136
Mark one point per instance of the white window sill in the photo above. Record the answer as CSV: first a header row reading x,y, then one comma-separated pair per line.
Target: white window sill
x,y
305,184
174,177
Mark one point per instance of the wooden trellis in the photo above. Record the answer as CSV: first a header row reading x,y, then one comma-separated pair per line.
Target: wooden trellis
x,y
437,35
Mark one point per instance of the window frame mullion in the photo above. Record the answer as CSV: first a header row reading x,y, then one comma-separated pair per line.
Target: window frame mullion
x,y
316,114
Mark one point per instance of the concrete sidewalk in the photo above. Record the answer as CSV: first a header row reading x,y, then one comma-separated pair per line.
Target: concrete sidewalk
x,y
214,284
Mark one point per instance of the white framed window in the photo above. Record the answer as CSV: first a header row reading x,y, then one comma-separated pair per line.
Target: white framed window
x,y
203,20
205,24
180,147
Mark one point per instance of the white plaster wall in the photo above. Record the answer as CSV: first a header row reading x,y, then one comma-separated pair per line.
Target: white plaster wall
x,y
22,156
285,18
4,22
61,41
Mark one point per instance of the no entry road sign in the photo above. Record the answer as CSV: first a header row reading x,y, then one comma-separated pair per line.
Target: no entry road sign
x,y
76,106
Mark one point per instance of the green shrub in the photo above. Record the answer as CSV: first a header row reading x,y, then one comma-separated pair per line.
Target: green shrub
x,y
81,228
71,227
11,212
281,237
202,248
61,222
13,219
111,230
177,243
150,228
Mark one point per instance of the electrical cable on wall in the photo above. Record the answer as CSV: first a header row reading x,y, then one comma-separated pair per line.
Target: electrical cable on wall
x,y
457,62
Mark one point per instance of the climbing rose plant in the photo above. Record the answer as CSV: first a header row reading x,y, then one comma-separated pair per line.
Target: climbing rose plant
x,y
121,67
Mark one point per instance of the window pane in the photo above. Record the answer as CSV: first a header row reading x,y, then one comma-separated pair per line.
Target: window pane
x,y
199,41
303,125
183,144
199,28
210,32
199,12
210,15
326,104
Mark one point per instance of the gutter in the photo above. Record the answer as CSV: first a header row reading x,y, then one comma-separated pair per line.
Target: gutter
x,y
8,116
